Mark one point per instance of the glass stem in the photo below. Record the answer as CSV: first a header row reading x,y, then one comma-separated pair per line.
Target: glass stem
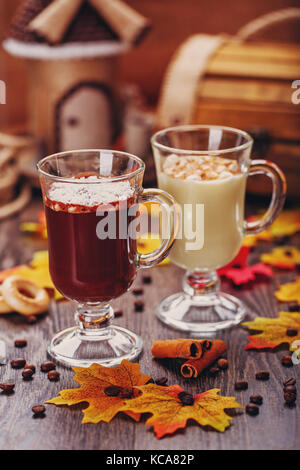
x,y
201,283
94,319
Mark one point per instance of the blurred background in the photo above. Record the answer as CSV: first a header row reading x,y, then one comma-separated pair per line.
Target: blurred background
x,y
245,84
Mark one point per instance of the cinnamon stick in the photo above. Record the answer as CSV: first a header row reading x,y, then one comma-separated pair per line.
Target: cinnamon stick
x,y
193,367
180,348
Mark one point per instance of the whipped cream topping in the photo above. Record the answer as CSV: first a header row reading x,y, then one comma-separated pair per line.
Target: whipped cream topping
x,y
94,193
199,168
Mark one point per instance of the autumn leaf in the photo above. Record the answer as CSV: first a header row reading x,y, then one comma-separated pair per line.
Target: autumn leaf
x,y
169,413
37,271
286,224
97,383
282,257
289,292
274,331
36,228
240,273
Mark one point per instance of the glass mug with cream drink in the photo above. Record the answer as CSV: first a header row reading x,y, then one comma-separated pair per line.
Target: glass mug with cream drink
x,y
206,168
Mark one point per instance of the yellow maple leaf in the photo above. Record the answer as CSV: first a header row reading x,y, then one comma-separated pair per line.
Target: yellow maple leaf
x,y
105,389
274,331
282,257
169,412
289,292
286,224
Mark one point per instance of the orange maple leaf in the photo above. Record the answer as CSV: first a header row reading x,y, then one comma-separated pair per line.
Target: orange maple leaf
x,y
285,257
95,382
169,413
274,331
289,292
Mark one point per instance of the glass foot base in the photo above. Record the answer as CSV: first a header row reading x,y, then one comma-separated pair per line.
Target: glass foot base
x,y
201,315
72,347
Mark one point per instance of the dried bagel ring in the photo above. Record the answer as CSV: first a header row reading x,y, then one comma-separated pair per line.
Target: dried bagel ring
x,y
25,296
4,307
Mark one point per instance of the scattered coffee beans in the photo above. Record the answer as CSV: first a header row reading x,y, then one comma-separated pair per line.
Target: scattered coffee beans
x,y
290,381
112,391
252,409
290,388
291,332
118,313
27,374
137,292
241,385
262,375
186,398
139,306
53,375
18,363
147,279
7,387
31,319
30,366
162,381
38,409
222,364
47,366
20,343
256,399
290,397
286,361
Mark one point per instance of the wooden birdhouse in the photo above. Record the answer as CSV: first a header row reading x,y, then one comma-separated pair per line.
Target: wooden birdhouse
x,y
72,47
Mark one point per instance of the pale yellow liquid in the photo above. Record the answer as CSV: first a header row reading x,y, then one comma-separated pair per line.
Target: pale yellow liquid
x,y
223,201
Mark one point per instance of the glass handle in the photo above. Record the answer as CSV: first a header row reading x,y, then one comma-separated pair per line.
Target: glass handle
x,y
168,204
264,167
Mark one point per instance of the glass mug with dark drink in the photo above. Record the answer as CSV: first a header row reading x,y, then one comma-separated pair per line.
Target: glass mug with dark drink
x,y
206,169
91,200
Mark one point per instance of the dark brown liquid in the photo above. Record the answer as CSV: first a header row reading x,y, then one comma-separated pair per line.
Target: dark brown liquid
x,y
83,267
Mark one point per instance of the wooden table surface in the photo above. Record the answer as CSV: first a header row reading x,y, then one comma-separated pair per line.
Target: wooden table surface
x,y
276,427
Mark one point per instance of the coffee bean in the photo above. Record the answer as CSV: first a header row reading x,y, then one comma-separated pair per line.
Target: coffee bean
x,y
290,388
150,381
18,363
161,381
139,306
288,253
147,279
7,387
241,385
262,375
290,397
118,313
47,366
290,381
213,371
38,409
286,361
291,332
137,292
294,307
256,399
186,398
31,319
222,364
53,375
252,409
112,391
20,343
30,366
125,393
27,374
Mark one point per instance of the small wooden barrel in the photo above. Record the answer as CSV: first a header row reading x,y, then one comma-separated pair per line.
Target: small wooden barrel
x,y
251,86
